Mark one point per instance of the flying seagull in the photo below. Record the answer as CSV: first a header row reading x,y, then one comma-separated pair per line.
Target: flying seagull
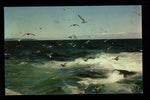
x,y
140,14
50,55
57,21
74,25
70,36
116,58
63,65
87,59
98,88
83,20
109,47
106,40
28,34
87,41
74,36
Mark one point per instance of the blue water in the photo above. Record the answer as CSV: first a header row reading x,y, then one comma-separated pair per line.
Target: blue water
x,y
38,67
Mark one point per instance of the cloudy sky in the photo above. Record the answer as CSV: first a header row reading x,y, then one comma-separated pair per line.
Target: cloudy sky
x,y
54,22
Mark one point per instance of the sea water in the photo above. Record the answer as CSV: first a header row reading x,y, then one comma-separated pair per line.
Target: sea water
x,y
31,71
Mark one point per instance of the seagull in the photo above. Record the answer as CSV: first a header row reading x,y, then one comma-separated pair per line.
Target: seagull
x,y
74,45
60,44
19,40
50,46
29,34
140,14
82,46
64,9
69,19
63,65
50,55
57,21
87,59
70,36
87,41
89,37
74,36
109,47
74,25
83,20
106,40
40,28
98,88
116,58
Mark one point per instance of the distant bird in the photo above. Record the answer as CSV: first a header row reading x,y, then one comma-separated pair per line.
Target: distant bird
x,y
74,25
28,34
38,51
87,59
57,21
89,37
60,44
69,19
116,58
63,65
7,55
50,46
74,45
141,50
109,47
82,46
74,36
83,20
40,28
64,9
87,41
19,40
140,14
50,55
106,40
70,36
98,88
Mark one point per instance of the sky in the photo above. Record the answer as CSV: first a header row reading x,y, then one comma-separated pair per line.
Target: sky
x,y
56,22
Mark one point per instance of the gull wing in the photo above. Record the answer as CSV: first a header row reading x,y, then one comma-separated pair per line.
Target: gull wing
x,y
24,34
74,25
81,18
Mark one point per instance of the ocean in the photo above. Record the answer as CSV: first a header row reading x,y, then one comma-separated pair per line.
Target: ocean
x,y
49,67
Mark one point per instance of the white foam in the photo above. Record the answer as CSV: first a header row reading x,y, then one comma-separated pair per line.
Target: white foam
x,y
112,78
70,89
117,88
127,61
